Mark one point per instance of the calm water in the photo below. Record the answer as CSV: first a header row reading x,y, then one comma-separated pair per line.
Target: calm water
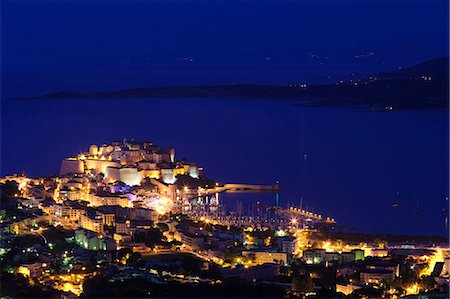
x,y
346,164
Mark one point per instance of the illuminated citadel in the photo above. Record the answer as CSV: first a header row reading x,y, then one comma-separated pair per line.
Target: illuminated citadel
x,y
112,174
130,162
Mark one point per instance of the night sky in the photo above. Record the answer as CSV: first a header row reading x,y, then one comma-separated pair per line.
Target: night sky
x,y
98,45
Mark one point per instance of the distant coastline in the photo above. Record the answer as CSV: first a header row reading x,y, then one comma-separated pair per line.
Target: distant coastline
x,y
423,86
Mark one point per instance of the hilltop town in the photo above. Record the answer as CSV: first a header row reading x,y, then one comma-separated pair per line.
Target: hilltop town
x,y
128,219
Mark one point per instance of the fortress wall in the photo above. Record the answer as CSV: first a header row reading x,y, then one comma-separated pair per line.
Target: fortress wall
x,y
130,176
100,165
154,174
71,166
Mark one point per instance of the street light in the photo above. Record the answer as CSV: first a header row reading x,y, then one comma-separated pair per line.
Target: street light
x,y
294,222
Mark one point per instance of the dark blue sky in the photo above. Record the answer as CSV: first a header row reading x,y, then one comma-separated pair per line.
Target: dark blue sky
x,y
97,45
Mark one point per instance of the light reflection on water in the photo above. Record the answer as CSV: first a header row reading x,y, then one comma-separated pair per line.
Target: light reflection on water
x,y
343,163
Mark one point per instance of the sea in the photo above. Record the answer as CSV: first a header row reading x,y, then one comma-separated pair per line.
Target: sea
x,y
374,172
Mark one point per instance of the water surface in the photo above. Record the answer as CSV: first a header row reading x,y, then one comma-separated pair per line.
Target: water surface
x,y
347,164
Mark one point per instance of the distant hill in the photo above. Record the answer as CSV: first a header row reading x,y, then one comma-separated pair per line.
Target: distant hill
x,y
435,68
422,86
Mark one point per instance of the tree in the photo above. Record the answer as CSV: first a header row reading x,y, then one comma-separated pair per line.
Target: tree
x,y
123,252
162,226
367,293
302,283
2,215
150,237
8,190
213,271
427,283
251,257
